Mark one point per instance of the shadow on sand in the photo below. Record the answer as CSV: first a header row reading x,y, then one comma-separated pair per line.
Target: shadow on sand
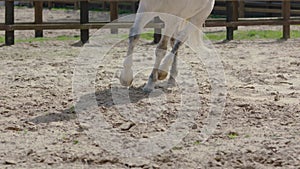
x,y
104,98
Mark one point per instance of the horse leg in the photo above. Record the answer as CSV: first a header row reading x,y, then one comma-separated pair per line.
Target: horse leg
x,y
160,52
141,20
171,58
126,76
173,71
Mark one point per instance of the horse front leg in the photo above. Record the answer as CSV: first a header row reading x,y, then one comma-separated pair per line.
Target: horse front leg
x,y
126,76
141,20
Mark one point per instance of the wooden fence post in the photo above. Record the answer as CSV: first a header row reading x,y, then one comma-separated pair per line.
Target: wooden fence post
x,y
232,15
286,12
50,5
235,13
76,5
241,8
9,20
114,15
38,17
84,18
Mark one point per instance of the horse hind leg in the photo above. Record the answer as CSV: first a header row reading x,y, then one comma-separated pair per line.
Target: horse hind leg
x,y
174,70
170,59
160,53
193,29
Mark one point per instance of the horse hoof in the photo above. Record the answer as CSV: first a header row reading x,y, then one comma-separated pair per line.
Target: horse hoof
x,y
126,77
171,82
125,83
162,75
147,90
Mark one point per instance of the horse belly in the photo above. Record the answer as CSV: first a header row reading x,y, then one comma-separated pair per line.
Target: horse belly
x,y
183,8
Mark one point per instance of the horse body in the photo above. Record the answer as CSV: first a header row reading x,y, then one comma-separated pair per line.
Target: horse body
x,y
181,8
193,12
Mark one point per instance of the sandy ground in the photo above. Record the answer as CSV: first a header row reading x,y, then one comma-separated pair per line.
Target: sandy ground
x,y
259,129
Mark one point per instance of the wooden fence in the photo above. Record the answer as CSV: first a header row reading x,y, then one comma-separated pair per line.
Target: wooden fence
x,y
231,22
258,8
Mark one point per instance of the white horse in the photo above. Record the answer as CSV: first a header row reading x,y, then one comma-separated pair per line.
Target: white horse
x,y
193,11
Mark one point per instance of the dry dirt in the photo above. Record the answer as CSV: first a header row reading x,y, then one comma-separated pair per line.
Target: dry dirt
x,y
260,126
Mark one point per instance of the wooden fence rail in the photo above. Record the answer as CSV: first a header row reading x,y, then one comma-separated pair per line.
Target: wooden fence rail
x,y
250,8
231,22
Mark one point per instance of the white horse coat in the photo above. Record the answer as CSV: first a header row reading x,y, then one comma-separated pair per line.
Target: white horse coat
x,y
193,13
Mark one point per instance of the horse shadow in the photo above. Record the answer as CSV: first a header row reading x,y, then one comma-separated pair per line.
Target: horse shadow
x,y
104,98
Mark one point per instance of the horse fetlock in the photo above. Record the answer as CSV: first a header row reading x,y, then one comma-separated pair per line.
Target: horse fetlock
x,y
162,74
